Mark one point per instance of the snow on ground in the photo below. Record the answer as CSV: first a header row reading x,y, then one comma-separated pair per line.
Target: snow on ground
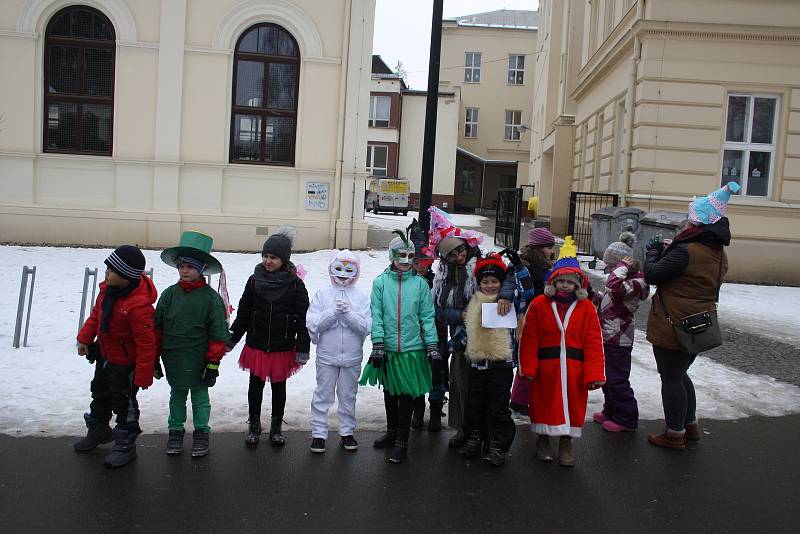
x,y
392,222
46,385
767,310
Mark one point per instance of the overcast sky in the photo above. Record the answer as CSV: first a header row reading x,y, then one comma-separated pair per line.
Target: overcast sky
x,y
403,30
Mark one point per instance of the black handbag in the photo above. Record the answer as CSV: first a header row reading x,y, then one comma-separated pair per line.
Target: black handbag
x,y
698,332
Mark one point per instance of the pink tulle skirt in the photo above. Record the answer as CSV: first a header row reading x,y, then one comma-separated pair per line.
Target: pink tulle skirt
x,y
272,366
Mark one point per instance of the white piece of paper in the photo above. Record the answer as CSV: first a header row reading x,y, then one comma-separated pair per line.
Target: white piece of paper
x,y
491,319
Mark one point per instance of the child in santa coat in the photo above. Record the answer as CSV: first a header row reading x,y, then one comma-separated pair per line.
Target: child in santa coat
x,y
561,351
338,320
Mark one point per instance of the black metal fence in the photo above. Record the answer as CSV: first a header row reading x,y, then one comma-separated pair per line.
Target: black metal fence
x,y
508,218
581,207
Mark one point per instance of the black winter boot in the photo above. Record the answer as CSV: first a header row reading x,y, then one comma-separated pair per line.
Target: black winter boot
x,y
276,439
124,450
495,455
386,440
418,413
175,442
473,446
399,452
435,422
253,432
199,443
98,433
458,440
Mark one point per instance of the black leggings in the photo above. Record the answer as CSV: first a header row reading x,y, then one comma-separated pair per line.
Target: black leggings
x,y
398,414
677,389
255,394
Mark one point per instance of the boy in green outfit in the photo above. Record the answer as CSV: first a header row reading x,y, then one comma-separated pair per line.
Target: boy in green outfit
x,y
190,317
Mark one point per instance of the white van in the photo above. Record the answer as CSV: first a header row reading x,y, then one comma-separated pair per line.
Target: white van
x,y
387,194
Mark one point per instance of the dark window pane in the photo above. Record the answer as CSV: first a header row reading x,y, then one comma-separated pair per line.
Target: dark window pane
x,y
763,120
280,139
82,24
99,72
63,70
758,173
732,167
96,128
737,115
247,138
286,45
249,42
102,28
62,120
60,25
268,40
282,84
249,83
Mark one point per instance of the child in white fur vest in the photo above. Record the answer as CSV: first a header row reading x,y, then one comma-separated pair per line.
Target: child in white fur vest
x,y
490,356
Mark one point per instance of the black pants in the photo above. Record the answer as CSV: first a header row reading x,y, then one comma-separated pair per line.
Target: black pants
x,y
677,389
398,414
487,404
113,391
255,395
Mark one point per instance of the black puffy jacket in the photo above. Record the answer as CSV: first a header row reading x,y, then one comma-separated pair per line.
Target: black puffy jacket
x,y
273,325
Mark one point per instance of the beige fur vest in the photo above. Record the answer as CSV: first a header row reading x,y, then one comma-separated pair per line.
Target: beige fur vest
x,y
485,343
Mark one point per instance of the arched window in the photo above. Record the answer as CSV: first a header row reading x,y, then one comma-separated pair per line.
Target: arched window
x,y
266,77
79,82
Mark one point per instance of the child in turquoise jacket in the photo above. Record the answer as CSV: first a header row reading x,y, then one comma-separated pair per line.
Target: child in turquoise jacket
x,y
403,338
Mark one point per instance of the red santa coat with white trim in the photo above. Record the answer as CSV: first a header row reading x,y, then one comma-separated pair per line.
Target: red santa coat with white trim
x,y
562,363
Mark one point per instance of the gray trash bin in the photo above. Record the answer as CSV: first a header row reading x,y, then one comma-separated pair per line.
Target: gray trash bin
x,y
608,223
659,222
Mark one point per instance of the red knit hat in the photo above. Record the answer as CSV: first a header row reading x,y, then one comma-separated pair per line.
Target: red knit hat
x,y
491,265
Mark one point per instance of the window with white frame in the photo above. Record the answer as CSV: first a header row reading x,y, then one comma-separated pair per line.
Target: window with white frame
x,y
513,122
471,123
516,69
750,134
379,109
377,160
472,67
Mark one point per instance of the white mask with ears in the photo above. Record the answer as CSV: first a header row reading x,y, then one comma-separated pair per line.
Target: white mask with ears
x,y
343,268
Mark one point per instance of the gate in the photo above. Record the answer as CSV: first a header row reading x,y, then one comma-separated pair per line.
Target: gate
x,y
581,207
508,218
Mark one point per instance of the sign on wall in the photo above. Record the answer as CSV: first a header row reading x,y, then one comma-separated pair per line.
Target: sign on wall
x,y
317,195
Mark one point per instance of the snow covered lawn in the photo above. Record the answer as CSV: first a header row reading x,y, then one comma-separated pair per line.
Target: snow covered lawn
x,y
392,222
46,385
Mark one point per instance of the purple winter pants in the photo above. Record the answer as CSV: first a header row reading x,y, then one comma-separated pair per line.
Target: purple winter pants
x,y
620,405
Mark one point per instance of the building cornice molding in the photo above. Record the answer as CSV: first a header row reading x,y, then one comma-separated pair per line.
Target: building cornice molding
x,y
21,35
33,15
290,16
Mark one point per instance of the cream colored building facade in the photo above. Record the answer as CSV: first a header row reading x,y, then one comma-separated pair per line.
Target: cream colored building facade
x,y
673,98
487,59
169,167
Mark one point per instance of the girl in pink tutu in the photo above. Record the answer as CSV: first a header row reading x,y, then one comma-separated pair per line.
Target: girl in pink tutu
x,y
272,311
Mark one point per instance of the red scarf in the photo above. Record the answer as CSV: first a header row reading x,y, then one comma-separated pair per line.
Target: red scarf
x,y
189,286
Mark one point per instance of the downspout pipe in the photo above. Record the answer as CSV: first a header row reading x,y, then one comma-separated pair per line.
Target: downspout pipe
x,y
337,177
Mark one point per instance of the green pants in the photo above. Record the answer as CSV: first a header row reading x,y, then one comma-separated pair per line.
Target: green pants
x,y
201,408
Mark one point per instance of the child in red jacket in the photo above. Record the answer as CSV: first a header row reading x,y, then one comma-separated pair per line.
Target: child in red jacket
x,y
122,323
561,350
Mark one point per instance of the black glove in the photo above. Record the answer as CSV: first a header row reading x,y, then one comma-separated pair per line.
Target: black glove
x,y
377,355
93,352
654,243
512,256
433,351
210,373
158,372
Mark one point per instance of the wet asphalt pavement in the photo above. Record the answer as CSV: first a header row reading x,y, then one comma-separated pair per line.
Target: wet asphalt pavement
x,y
742,477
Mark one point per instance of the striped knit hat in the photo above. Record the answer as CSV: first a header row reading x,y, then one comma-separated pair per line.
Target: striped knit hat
x,y
127,261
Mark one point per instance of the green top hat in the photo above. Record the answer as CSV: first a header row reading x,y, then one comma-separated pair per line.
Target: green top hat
x,y
196,246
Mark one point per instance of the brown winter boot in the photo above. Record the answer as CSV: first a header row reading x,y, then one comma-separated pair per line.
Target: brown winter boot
x,y
692,431
670,439
543,452
565,456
